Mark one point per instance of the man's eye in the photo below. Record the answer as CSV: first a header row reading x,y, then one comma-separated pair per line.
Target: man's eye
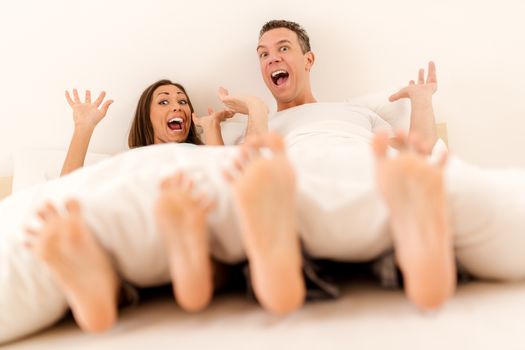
x,y
284,49
164,102
263,54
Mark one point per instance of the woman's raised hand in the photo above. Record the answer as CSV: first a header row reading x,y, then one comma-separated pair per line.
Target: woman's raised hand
x,y
213,118
88,114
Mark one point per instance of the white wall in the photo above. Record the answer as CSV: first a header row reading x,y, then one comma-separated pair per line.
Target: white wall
x,y
123,46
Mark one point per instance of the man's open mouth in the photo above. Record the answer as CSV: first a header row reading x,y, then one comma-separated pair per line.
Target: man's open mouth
x,y
176,123
279,77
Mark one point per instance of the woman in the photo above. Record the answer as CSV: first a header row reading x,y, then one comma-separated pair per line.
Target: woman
x,y
151,125
163,115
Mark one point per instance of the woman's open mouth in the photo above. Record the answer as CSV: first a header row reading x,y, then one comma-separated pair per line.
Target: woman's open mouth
x,y
176,124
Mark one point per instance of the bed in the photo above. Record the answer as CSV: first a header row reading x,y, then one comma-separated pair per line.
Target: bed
x,y
482,315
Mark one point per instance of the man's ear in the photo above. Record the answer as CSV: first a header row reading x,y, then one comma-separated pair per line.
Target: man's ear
x,y
310,59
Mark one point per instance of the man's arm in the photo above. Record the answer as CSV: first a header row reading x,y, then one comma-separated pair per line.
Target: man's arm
x,y
422,118
255,108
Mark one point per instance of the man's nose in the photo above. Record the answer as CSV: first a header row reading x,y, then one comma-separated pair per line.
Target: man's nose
x,y
274,59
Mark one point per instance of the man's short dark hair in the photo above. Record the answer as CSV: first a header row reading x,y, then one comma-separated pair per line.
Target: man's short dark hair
x,y
302,36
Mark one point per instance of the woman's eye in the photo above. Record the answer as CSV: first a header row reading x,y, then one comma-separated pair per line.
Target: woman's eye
x,y
183,102
163,102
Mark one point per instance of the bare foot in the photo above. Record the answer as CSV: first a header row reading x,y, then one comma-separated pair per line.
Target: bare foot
x,y
414,192
265,199
181,218
80,266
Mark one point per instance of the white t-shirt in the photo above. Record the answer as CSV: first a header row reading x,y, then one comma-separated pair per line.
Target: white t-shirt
x,y
323,138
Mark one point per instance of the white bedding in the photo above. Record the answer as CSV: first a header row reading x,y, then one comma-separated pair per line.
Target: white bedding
x,y
117,196
341,215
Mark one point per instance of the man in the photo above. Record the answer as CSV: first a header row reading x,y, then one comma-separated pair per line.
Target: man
x,y
342,216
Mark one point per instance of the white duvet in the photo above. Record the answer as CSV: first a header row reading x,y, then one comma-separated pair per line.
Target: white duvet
x,y
341,215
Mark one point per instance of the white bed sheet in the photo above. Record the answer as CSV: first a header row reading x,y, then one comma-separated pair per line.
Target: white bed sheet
x,y
481,316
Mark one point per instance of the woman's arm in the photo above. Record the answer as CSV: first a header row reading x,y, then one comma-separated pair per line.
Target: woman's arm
x,y
422,118
86,116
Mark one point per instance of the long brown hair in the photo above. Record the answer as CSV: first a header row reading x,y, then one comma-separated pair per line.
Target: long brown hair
x,y
141,132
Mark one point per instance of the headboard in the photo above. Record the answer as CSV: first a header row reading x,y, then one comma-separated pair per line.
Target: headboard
x,y
5,186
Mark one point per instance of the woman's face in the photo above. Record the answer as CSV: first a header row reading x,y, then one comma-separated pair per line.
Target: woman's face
x,y
170,114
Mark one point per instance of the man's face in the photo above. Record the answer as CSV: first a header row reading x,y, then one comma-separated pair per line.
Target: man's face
x,y
284,67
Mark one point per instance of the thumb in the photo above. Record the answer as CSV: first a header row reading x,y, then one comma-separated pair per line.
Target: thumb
x,y
398,95
105,106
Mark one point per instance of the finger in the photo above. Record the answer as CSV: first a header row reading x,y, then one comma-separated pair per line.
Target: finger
x,y
394,97
398,95
105,107
432,75
210,111
88,96
223,93
100,98
69,100
75,96
224,114
228,113
411,82
421,76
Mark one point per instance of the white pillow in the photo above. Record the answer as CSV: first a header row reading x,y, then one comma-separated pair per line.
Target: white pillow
x,y
233,129
397,114
32,167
